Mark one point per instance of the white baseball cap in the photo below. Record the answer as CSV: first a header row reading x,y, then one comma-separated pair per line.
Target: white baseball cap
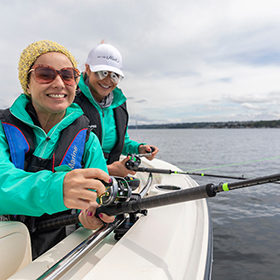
x,y
105,57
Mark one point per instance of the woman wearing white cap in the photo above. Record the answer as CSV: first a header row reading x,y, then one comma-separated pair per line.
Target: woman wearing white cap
x,y
105,105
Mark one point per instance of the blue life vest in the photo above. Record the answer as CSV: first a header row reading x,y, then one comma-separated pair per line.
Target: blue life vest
x,y
69,151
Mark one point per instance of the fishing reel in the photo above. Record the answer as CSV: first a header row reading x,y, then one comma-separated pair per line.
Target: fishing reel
x,y
117,191
133,162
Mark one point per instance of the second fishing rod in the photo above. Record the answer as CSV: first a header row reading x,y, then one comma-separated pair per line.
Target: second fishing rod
x,y
134,164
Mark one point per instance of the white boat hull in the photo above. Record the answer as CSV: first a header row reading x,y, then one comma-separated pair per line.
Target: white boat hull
x,y
171,242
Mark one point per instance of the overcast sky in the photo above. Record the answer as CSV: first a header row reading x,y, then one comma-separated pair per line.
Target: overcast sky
x,y
184,61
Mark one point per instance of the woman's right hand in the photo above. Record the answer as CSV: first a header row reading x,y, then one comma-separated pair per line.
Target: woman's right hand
x,y
118,168
88,220
78,186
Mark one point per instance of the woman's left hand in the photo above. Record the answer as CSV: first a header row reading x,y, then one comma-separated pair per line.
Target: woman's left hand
x,y
88,220
144,149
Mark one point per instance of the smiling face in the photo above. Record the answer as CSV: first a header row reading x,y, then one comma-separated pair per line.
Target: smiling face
x,y
51,100
99,88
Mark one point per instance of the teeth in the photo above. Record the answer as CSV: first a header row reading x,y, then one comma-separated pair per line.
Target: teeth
x,y
105,86
57,95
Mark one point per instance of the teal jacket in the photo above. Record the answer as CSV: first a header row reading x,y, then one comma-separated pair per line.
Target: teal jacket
x,y
33,194
109,138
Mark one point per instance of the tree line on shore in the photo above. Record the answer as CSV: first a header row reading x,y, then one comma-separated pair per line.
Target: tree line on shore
x,y
233,124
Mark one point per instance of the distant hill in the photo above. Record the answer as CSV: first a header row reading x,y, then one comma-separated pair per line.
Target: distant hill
x,y
247,124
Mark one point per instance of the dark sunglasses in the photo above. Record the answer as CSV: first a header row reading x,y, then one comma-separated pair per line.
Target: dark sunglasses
x,y
45,74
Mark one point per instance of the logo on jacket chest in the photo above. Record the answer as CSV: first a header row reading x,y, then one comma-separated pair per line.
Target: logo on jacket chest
x,y
73,157
92,126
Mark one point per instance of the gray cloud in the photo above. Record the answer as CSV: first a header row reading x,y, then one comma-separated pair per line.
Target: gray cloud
x,y
253,107
256,98
183,60
141,119
141,101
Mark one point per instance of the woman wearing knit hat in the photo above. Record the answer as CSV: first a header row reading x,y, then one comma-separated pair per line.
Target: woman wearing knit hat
x,y
44,146
105,106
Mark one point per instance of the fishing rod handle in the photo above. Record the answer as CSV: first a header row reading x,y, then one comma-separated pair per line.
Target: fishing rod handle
x,y
62,221
58,222
154,170
185,195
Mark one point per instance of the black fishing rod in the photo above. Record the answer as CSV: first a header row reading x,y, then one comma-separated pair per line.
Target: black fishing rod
x,y
135,203
169,171
190,194
134,162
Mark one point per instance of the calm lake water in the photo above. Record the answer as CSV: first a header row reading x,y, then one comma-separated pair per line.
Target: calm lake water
x,y
246,222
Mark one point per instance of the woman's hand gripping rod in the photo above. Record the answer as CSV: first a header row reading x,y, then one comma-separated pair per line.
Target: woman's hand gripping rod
x,y
117,191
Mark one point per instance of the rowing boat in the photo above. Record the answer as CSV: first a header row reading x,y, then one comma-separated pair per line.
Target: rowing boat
x,y
167,242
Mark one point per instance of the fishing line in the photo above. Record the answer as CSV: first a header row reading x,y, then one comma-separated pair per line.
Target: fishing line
x,y
232,164
135,161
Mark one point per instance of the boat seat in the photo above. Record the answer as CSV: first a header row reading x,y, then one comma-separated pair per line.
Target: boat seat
x,y
15,248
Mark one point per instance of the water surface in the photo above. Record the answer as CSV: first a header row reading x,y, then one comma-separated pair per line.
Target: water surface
x,y
246,222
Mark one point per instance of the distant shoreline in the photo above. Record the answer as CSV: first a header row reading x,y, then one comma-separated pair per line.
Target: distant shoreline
x,y
211,125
